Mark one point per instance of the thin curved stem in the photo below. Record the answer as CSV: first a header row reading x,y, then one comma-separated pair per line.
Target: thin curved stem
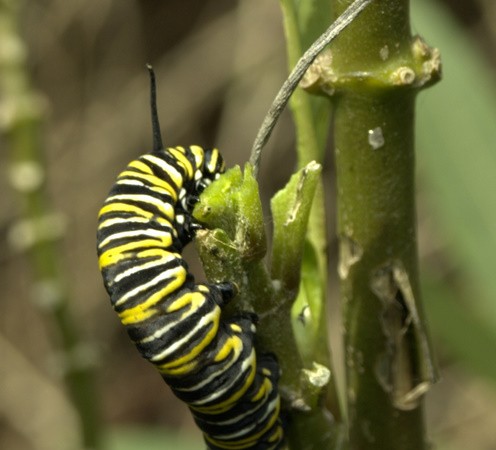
x,y
296,75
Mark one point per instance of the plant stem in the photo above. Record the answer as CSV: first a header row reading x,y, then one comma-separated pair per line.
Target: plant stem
x,y
376,226
375,74
303,23
311,116
39,229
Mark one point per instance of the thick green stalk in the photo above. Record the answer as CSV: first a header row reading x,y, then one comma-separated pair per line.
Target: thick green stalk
x,y
39,228
373,73
376,230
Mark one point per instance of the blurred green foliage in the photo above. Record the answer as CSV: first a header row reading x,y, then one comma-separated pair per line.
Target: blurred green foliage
x,y
133,438
457,164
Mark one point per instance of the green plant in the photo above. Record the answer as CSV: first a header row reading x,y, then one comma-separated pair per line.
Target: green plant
x,y
372,74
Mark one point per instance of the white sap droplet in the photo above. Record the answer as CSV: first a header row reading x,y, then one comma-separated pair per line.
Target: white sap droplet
x,y
376,138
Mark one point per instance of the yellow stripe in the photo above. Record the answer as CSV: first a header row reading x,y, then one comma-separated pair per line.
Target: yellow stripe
x,y
182,160
214,159
158,253
140,317
248,442
135,219
228,404
141,312
117,207
183,370
265,386
199,154
156,182
195,299
171,170
119,220
171,367
122,252
277,436
162,239
232,344
165,208
140,165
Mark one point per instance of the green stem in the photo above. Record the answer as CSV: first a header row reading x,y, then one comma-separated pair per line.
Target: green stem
x,y
376,227
40,227
311,117
377,68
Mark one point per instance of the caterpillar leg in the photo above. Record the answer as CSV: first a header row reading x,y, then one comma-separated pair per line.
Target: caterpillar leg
x,y
227,291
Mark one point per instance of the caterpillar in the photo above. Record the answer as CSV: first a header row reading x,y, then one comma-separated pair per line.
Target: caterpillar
x,y
209,362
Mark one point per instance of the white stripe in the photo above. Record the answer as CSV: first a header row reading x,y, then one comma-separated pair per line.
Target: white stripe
x,y
157,334
145,266
184,341
221,370
133,182
171,273
143,198
218,393
149,232
248,429
166,167
150,187
117,220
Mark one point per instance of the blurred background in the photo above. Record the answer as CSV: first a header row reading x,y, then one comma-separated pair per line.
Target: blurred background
x,y
218,64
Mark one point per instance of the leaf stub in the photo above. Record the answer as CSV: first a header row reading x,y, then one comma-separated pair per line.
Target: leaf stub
x,y
290,211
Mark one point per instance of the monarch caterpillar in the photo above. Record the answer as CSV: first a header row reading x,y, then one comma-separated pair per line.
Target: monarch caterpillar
x,y
209,362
